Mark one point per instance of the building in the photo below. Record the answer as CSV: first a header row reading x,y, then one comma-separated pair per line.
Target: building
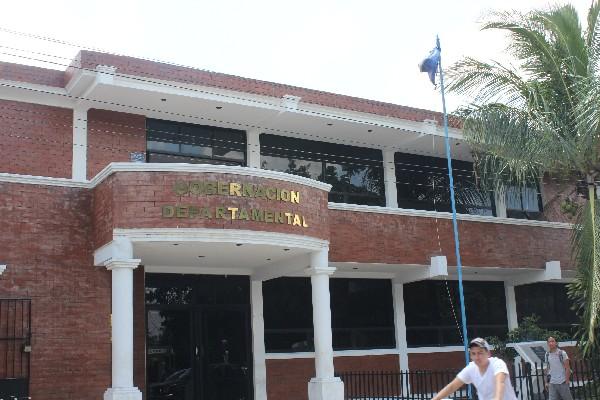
x,y
172,231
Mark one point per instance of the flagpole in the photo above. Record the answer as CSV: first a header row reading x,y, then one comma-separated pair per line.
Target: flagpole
x,y
453,202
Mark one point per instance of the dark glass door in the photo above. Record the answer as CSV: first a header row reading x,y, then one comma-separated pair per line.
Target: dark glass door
x,y
169,361
198,353
225,362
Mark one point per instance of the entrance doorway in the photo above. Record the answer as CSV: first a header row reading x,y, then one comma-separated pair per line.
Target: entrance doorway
x,y
198,338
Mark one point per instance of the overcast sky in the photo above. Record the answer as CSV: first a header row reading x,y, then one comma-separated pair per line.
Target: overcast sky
x,y
367,49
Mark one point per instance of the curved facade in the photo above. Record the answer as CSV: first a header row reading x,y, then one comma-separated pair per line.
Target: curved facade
x,y
174,232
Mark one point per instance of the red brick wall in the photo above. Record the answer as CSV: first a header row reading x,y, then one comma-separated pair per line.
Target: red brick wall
x,y
436,361
134,200
36,139
288,379
112,136
44,241
397,239
28,73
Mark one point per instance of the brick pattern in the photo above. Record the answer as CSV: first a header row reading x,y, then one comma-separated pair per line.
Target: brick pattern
x,y
36,139
112,136
288,379
44,240
436,361
135,200
397,239
29,74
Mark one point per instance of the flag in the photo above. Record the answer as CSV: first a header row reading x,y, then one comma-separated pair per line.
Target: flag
x,y
430,64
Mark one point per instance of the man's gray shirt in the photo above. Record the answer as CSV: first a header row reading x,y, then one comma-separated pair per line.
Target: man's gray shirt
x,y
556,367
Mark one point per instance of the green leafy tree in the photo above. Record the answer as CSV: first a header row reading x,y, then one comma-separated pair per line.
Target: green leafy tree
x,y
539,117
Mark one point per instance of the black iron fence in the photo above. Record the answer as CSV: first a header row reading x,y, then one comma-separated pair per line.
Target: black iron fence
x,y
15,347
527,380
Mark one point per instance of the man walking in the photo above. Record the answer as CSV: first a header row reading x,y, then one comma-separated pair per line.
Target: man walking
x,y
558,372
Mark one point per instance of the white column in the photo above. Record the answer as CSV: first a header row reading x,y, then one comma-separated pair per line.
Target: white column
x,y
253,148
400,323
500,200
122,331
258,341
2,268
511,306
79,163
389,179
324,386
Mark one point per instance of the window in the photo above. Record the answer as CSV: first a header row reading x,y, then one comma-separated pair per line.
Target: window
x,y
176,142
287,311
355,173
423,184
523,203
550,302
362,315
432,311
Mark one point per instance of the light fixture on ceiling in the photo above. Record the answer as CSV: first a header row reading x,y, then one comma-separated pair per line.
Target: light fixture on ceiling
x,y
201,256
163,99
268,259
239,244
370,130
218,107
329,124
286,249
175,244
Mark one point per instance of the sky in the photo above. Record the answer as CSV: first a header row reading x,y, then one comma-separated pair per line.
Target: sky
x,y
369,49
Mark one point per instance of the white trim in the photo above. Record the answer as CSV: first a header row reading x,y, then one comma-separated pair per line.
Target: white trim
x,y
338,353
389,179
258,341
435,349
163,167
400,324
220,236
206,168
446,215
42,180
32,93
195,270
271,103
80,136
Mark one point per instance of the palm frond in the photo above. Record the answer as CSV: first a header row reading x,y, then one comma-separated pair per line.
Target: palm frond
x,y
585,290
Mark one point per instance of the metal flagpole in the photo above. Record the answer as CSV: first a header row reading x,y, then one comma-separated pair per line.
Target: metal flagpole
x,y
453,202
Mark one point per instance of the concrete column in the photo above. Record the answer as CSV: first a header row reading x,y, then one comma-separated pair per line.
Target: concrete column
x,y
324,386
400,323
511,306
500,200
389,179
258,341
122,331
79,163
253,148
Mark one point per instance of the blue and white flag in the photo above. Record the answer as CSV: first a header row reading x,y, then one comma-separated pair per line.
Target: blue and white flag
x,y
430,64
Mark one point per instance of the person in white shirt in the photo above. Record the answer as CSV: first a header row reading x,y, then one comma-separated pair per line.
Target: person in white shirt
x,y
558,372
488,374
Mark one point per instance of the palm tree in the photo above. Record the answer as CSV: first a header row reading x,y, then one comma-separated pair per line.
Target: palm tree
x,y
539,118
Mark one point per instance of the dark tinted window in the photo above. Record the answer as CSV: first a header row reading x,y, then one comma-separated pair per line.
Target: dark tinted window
x,y
523,203
287,311
423,184
176,289
355,173
550,302
177,142
432,311
361,311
